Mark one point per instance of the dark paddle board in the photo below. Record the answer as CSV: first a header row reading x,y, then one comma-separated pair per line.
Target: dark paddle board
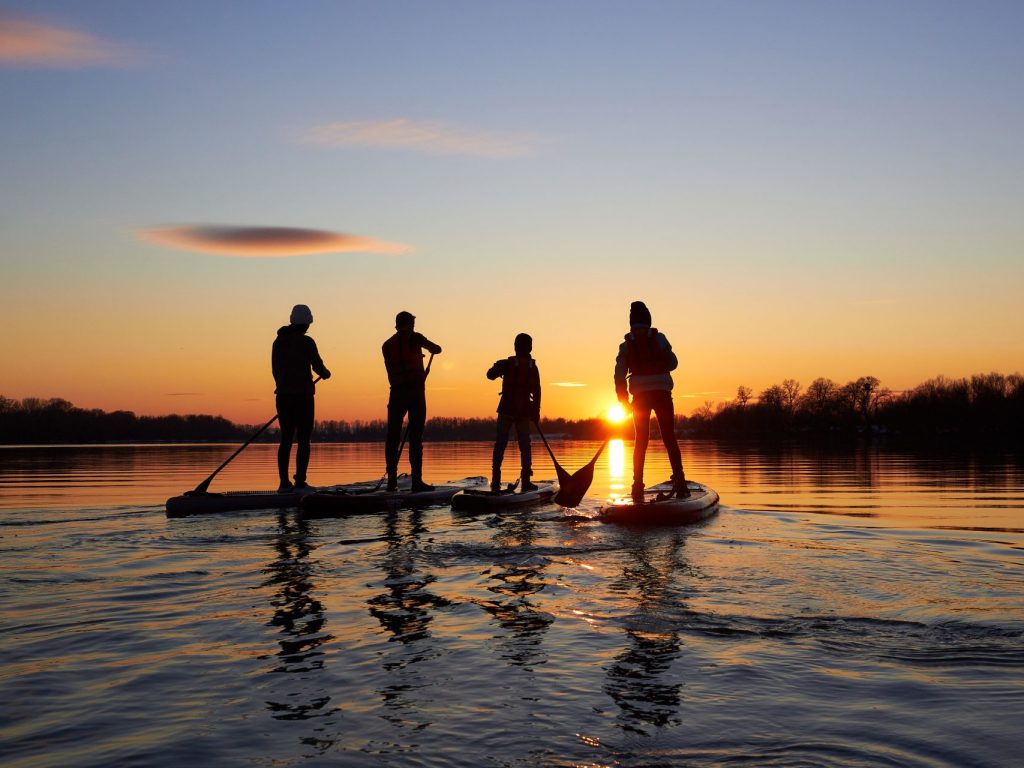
x,y
699,505
480,500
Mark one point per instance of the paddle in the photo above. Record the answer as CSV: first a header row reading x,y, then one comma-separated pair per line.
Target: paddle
x,y
201,488
405,433
571,488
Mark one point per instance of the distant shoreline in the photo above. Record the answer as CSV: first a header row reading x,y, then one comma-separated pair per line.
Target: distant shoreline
x,y
985,408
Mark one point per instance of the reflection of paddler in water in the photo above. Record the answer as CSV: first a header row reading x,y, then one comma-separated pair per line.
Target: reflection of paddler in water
x,y
300,615
646,359
293,356
517,580
639,680
404,609
403,358
519,405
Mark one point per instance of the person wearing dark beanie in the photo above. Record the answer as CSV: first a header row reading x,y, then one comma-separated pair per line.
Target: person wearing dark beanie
x,y
639,314
643,369
519,405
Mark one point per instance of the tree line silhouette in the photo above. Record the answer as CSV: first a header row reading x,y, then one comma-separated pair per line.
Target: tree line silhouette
x,y
981,407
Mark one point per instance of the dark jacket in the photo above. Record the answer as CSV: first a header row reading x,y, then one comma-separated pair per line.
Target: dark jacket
x,y
520,391
650,376
293,356
403,359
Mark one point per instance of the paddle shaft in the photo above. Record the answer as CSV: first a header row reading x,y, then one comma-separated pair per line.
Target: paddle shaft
x,y
551,453
201,488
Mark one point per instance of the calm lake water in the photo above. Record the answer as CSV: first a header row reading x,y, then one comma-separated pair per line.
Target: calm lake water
x,y
861,607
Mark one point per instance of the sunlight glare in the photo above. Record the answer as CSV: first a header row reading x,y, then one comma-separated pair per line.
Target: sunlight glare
x,y
616,413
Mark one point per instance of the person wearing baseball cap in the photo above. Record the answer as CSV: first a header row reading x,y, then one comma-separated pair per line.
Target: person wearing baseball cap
x,y
403,359
646,359
293,358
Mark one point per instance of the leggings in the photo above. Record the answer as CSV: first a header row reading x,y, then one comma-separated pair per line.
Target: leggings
x,y
295,412
660,401
413,402
505,423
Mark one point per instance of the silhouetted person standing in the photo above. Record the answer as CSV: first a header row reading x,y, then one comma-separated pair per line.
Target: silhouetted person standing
x,y
646,359
292,359
519,404
403,358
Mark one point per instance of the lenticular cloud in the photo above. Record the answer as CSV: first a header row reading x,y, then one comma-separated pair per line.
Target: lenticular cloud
x,y
265,242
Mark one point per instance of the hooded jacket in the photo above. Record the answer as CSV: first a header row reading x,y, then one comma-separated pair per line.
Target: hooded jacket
x,y
293,357
645,382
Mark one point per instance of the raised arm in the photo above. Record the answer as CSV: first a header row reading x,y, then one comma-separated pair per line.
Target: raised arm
x,y
427,344
497,370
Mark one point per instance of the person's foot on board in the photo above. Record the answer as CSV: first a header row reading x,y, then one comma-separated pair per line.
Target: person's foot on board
x,y
285,487
392,485
680,488
418,486
525,485
496,481
637,493
302,485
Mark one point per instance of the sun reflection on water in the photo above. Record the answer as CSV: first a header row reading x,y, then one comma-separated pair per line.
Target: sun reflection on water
x,y
616,467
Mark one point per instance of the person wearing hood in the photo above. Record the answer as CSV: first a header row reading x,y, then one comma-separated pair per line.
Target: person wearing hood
x,y
519,404
293,357
646,361
403,359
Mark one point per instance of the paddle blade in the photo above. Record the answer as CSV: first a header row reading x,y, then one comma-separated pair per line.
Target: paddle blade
x,y
563,476
572,488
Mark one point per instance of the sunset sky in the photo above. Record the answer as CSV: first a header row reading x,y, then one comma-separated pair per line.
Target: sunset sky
x,y
796,189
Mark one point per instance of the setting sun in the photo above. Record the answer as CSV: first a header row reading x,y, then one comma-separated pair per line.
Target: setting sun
x,y
616,413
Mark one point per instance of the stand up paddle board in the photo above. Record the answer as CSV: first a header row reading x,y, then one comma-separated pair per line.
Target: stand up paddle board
x,y
192,503
480,500
361,498
656,510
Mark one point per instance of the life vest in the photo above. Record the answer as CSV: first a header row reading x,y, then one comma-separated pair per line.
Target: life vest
x,y
643,353
515,391
404,361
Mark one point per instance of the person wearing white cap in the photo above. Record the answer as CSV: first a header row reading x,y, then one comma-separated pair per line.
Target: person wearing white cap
x,y
293,357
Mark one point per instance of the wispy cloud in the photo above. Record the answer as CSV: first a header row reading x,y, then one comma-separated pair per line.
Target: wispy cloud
x,y
427,136
28,42
264,242
567,384
184,394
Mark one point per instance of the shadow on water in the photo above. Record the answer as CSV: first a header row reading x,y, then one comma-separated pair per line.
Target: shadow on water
x,y
639,680
301,619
